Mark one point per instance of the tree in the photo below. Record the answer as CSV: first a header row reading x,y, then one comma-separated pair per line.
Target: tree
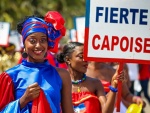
x,y
14,10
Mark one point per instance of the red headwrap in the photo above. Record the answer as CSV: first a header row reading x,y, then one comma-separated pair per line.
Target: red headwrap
x,y
58,22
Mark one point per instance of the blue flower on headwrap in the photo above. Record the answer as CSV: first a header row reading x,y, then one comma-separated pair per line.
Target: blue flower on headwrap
x,y
52,26
52,35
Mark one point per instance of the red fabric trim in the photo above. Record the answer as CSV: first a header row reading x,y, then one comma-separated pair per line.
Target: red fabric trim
x,y
50,59
40,104
6,90
144,72
105,85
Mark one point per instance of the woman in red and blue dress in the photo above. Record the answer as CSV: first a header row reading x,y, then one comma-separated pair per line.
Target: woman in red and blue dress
x,y
88,94
35,86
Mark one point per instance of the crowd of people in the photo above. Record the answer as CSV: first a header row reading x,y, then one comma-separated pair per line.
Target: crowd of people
x,y
50,78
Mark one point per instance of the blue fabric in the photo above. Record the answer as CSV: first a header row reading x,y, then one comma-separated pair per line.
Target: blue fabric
x,y
28,73
32,25
12,107
35,24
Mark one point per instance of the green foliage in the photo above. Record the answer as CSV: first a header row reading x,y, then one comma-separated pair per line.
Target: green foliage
x,y
14,10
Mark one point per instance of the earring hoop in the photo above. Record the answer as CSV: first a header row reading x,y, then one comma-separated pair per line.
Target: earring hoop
x,y
24,54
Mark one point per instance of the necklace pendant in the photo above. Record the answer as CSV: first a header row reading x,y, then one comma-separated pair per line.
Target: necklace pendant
x,y
79,89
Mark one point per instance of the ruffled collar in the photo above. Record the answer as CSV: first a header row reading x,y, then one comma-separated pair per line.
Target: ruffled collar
x,y
31,64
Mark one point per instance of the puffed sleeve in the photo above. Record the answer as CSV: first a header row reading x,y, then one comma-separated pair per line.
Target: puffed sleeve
x,y
7,103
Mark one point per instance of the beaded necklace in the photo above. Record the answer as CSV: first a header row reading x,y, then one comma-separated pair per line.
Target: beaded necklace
x,y
79,81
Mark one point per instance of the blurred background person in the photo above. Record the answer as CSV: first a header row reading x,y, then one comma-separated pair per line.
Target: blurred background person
x,y
133,71
144,76
104,71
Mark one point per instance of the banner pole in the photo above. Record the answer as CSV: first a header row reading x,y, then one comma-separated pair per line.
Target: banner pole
x,y
119,89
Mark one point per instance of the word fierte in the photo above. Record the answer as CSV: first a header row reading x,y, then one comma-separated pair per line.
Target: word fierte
x,y
122,15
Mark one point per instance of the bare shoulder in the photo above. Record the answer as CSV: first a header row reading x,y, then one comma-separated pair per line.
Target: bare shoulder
x,y
94,81
64,74
97,85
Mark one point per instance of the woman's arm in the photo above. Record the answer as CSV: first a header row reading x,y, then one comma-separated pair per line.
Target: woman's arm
x,y
128,81
128,96
107,104
66,103
126,103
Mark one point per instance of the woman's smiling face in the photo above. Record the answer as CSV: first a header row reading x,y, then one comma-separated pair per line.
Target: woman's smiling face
x,y
36,46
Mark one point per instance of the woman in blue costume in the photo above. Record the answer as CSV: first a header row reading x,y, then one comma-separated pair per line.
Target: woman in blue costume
x,y
34,86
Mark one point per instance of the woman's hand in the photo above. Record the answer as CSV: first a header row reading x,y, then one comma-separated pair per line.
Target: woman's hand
x,y
138,100
30,94
118,76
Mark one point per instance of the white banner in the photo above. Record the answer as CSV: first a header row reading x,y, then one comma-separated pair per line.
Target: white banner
x,y
118,30
73,35
80,28
4,33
